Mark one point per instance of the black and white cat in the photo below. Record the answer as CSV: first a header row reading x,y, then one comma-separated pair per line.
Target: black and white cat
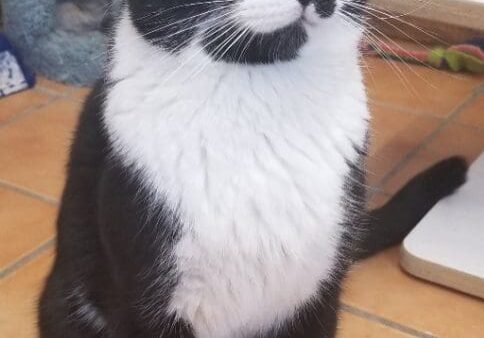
x,y
216,181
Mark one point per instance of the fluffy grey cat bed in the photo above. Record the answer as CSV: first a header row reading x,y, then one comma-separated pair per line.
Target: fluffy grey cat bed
x,y
56,46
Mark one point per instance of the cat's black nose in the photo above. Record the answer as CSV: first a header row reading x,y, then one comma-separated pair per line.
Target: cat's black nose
x,y
305,3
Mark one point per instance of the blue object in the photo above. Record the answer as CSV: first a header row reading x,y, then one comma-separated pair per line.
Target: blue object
x,y
47,48
14,75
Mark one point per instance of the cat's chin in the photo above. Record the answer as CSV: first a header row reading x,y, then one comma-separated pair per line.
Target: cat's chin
x,y
237,45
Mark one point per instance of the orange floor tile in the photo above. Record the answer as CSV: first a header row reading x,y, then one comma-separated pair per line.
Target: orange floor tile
x,y
420,115
34,148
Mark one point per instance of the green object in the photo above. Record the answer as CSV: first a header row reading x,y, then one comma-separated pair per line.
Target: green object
x,y
436,57
459,61
468,57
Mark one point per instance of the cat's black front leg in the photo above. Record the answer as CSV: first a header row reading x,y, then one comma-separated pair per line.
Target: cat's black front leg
x,y
138,234
71,305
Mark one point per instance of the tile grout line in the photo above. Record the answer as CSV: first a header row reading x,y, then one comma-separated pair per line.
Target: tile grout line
x,y
474,94
371,195
479,89
427,140
374,191
75,99
28,192
54,96
82,99
468,126
400,109
48,91
385,322
66,94
25,259
27,112
66,90
476,91
30,256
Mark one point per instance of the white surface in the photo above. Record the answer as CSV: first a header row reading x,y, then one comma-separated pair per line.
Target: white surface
x,y
11,76
451,237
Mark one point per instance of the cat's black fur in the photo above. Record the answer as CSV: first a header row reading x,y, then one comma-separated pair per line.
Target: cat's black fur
x,y
160,22
104,283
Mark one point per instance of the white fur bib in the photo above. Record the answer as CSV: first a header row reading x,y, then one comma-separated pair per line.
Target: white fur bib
x,y
254,160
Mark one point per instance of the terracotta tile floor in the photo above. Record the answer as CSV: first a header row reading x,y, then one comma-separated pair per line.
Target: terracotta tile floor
x,y
420,115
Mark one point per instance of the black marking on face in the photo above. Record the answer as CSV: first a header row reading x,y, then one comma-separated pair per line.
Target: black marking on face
x,y
233,45
170,24
325,8
173,24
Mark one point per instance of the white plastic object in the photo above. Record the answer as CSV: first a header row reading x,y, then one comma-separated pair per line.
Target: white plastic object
x,y
447,246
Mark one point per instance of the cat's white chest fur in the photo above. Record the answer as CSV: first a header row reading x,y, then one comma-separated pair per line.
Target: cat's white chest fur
x,y
254,160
